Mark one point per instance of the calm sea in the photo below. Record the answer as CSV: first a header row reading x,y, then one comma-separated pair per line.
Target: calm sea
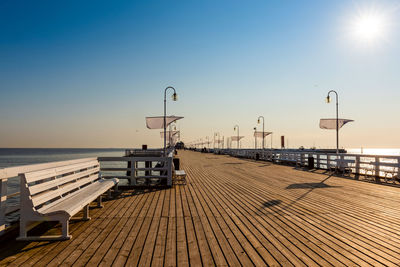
x,y
10,157
375,151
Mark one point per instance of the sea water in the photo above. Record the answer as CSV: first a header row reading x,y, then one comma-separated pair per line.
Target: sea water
x,y
10,157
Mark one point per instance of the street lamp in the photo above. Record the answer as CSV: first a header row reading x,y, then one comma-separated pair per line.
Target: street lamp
x,y
328,100
215,135
258,121
255,137
174,98
234,128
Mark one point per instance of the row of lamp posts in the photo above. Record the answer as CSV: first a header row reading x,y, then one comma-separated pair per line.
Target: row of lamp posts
x,y
236,127
328,100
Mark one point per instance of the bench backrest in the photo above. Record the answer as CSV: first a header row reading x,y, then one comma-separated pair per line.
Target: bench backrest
x,y
40,188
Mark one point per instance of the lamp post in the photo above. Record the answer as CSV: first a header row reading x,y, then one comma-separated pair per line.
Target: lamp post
x,y
255,137
174,98
258,121
328,100
219,137
234,128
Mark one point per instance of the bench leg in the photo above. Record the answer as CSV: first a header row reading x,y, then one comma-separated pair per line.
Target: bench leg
x,y
99,203
86,213
65,230
22,229
109,194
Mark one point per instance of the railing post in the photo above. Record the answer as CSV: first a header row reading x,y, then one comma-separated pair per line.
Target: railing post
x,y
133,172
357,171
318,163
328,161
398,169
3,204
340,162
169,171
377,170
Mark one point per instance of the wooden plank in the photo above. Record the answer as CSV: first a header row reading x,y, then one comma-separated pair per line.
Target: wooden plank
x,y
170,249
272,224
269,243
159,249
119,241
236,247
244,237
204,248
216,251
231,193
139,244
181,244
191,240
108,241
150,243
127,246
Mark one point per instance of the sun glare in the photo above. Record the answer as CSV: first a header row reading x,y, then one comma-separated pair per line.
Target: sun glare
x,y
369,26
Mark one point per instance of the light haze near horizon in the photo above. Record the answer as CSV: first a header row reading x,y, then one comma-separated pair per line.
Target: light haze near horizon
x,y
87,73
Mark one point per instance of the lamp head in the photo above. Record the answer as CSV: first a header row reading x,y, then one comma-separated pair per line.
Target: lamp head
x,y
174,97
258,121
255,128
328,99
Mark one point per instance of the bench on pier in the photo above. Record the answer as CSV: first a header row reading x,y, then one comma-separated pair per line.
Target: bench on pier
x,y
180,177
57,194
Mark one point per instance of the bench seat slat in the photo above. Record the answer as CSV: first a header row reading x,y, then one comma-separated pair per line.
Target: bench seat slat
x,y
49,195
34,189
74,202
48,173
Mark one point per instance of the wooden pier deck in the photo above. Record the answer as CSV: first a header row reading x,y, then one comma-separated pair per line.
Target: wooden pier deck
x,y
232,212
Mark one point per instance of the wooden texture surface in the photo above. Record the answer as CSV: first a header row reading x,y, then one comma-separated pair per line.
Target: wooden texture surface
x,y
233,212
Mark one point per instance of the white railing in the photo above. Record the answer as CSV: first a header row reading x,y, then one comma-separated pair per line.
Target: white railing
x,y
9,188
379,167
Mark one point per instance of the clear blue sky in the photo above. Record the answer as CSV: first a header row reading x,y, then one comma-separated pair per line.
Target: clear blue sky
x,y
86,73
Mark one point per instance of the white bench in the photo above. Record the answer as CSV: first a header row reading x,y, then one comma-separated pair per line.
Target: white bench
x,y
56,194
180,177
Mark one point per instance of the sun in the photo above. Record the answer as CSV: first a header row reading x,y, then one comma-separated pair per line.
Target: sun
x,y
369,26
